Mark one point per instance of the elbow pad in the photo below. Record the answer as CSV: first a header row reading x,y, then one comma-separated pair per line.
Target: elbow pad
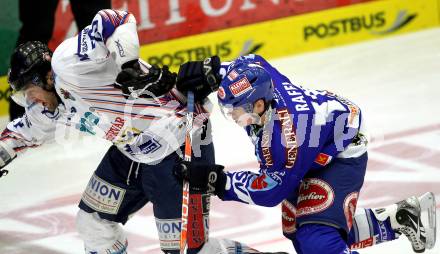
x,y
123,44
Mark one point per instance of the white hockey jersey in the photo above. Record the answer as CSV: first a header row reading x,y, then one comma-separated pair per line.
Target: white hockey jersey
x,y
85,68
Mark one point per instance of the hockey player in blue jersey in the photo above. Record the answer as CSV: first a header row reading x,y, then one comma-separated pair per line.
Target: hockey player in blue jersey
x,y
312,149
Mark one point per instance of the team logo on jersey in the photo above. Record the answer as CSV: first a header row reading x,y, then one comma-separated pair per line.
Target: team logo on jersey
x,y
116,127
144,144
66,94
103,196
288,213
350,207
315,195
221,93
289,135
149,144
128,135
323,159
240,87
263,182
88,123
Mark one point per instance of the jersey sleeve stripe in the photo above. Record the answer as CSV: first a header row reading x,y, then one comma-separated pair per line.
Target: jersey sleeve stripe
x,y
122,113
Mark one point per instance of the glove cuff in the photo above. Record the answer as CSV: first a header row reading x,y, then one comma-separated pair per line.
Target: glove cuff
x,y
129,64
211,68
220,184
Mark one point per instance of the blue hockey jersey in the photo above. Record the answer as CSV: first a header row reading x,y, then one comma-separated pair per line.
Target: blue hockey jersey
x,y
303,131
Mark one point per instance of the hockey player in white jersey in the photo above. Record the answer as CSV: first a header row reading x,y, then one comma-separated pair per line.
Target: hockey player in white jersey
x,y
141,113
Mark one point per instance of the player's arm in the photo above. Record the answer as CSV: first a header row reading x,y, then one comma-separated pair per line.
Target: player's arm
x,y
32,130
271,185
119,35
268,187
263,189
285,164
116,30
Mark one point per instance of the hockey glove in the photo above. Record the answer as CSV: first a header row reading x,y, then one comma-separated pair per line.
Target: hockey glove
x,y
134,82
6,155
203,178
200,77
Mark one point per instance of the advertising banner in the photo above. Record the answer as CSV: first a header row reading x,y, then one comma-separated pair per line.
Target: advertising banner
x,y
170,19
4,95
302,33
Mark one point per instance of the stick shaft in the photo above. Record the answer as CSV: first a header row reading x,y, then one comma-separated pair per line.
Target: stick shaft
x,y
185,193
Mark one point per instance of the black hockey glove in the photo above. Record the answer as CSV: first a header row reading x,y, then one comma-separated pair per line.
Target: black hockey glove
x,y
3,172
6,156
200,77
203,178
134,82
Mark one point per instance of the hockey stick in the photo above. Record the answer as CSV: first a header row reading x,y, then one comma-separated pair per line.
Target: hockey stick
x,y
185,194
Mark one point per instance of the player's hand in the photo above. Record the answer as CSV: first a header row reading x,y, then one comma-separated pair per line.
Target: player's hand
x,y
7,154
134,82
200,77
203,177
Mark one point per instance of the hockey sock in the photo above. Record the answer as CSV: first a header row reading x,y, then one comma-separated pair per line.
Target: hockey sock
x,y
370,228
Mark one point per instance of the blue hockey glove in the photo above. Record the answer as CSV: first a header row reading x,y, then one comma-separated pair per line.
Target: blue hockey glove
x,y
203,177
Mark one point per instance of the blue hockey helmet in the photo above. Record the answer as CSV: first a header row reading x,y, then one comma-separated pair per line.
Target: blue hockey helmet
x,y
244,84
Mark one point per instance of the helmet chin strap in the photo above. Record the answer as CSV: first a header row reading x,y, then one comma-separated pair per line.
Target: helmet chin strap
x,y
257,117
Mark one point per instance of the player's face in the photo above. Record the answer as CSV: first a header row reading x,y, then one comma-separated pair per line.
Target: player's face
x,y
32,93
36,94
243,116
